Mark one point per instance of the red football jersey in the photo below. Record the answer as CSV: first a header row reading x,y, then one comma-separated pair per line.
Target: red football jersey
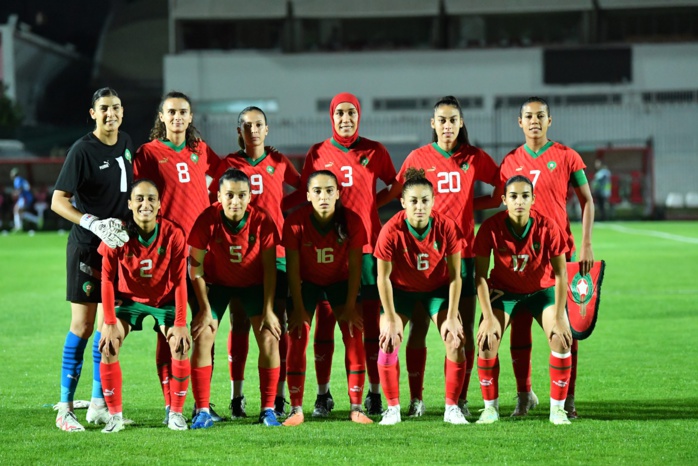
x,y
419,261
151,272
357,170
551,171
234,256
521,264
324,258
453,176
180,175
267,177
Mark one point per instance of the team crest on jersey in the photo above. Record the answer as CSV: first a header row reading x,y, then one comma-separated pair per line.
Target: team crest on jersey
x,y
161,251
436,245
194,158
552,165
464,166
251,239
127,155
363,160
536,246
88,287
270,170
340,241
582,288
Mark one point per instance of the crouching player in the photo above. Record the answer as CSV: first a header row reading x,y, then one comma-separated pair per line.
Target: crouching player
x,y
232,259
323,243
529,272
150,270
418,254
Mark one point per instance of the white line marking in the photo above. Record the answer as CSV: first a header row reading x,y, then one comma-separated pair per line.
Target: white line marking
x,y
657,234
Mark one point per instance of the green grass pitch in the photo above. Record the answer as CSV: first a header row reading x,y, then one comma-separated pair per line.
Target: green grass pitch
x,y
637,392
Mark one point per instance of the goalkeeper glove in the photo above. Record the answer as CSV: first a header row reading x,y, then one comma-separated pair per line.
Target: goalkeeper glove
x,y
111,231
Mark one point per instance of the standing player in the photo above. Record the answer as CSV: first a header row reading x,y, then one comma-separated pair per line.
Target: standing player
x,y
268,170
358,163
97,173
232,257
453,165
529,272
324,242
552,167
418,254
150,270
178,161
25,198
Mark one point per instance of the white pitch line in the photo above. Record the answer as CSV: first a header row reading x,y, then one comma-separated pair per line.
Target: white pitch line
x,y
657,234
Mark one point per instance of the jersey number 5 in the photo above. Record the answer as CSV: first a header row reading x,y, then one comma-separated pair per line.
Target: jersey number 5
x,y
235,254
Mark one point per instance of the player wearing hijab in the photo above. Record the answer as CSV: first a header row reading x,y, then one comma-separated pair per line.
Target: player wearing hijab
x,y
453,166
150,270
552,167
418,252
97,173
232,259
178,161
358,163
268,171
529,272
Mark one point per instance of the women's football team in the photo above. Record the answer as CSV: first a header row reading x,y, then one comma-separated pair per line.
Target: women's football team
x,y
172,223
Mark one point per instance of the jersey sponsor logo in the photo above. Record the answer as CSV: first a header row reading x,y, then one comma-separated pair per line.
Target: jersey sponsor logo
x,y
163,160
328,165
308,244
519,169
194,158
363,160
432,169
551,165
464,166
161,251
88,287
127,155
270,170
105,165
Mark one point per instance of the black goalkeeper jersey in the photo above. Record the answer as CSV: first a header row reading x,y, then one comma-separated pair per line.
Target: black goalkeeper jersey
x,y
99,176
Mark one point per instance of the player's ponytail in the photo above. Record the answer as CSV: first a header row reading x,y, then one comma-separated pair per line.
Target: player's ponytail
x,y
415,177
451,101
192,136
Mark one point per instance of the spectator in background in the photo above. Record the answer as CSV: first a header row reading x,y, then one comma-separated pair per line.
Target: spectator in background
x,y
25,200
601,189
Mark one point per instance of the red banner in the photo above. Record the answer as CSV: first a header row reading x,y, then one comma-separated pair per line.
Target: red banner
x,y
583,297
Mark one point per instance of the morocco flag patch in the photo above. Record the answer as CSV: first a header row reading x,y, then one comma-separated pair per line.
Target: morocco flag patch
x,y
583,296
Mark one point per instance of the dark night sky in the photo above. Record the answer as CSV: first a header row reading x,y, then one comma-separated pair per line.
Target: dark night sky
x,y
75,21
